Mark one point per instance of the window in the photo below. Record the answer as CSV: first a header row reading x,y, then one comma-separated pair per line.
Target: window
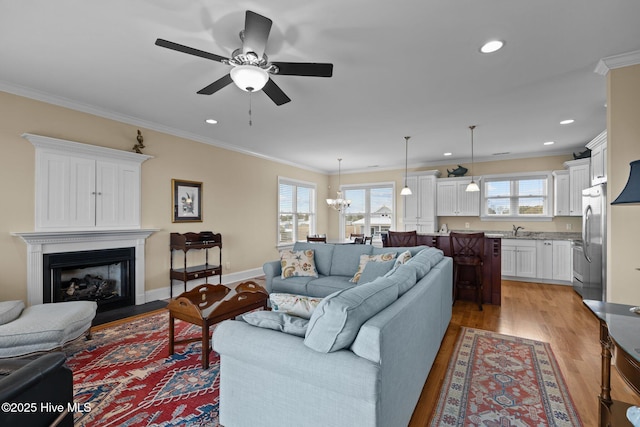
x,y
520,196
296,210
371,210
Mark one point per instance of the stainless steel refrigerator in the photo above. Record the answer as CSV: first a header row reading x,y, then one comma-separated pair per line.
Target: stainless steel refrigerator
x,y
592,268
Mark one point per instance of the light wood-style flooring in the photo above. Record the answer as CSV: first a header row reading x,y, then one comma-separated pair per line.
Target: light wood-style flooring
x,y
550,313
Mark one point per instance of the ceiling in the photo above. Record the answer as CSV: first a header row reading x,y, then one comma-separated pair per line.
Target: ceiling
x,y
406,68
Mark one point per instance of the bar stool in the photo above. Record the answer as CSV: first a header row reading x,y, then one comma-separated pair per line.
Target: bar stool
x,y
467,251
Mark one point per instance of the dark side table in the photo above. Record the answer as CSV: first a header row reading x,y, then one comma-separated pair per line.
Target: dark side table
x,y
619,330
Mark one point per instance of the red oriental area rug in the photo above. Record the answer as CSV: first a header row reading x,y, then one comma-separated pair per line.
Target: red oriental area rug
x,y
125,377
496,380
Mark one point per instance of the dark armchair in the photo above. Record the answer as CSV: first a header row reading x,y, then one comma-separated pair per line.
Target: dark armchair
x,y
45,380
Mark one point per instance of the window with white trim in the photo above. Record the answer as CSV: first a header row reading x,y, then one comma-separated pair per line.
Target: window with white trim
x,y
296,210
517,196
371,210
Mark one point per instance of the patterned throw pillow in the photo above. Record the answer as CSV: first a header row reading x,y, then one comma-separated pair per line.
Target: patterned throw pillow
x,y
295,305
403,258
298,263
364,259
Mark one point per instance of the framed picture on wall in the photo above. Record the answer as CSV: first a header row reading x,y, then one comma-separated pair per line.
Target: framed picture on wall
x,y
187,200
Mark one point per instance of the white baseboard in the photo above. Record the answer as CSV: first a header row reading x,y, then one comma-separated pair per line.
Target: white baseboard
x,y
178,287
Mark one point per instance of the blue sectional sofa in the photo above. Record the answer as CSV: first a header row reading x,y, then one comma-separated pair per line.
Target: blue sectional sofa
x,y
336,265
365,356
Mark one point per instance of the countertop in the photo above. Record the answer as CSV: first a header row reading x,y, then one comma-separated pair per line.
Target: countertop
x,y
530,235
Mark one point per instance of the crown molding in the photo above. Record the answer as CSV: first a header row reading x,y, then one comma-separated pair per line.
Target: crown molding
x,y
617,61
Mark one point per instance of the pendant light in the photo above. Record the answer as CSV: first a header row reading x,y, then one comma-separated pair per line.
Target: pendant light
x,y
406,191
472,187
339,203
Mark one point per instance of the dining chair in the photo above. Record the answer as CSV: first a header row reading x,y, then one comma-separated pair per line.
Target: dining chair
x,y
467,251
402,238
317,239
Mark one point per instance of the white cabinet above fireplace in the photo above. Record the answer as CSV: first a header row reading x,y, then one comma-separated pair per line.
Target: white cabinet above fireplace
x,y
83,187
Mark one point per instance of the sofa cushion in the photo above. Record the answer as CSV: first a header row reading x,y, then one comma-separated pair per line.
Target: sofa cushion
x,y
324,286
298,263
412,249
323,254
277,321
10,311
336,321
405,276
291,285
346,259
365,259
425,259
373,270
294,305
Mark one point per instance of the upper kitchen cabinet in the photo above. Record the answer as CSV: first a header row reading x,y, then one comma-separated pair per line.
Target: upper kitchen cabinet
x,y
598,147
579,179
419,208
85,187
561,190
454,200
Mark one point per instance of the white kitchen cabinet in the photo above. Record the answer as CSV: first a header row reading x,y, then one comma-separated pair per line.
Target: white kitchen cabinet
x,y
554,260
598,147
454,200
561,190
562,261
579,179
81,187
519,258
419,209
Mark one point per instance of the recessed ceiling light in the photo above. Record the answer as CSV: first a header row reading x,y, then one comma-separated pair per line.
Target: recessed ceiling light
x,y
448,154
211,121
567,122
492,46
549,143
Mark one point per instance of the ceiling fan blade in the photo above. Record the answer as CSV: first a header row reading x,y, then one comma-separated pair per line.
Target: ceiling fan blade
x,y
311,69
216,86
256,33
274,92
189,50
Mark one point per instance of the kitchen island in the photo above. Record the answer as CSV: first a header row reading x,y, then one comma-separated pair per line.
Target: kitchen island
x,y
493,262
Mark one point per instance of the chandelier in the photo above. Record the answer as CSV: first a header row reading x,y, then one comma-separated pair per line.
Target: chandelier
x,y
339,203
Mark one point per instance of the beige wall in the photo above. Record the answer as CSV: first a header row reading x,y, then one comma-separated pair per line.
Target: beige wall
x,y
239,191
623,124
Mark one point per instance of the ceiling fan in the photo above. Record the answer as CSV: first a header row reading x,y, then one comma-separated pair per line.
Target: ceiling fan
x,y
251,68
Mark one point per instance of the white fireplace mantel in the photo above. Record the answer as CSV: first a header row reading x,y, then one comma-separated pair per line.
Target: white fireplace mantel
x,y
41,243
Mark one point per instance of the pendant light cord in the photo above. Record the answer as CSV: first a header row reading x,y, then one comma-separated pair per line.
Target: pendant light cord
x,y
406,158
472,127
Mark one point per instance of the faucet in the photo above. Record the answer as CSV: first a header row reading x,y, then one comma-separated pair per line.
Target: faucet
x,y
515,229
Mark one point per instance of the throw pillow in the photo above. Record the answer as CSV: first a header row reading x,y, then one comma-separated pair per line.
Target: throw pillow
x,y
373,270
335,323
10,311
364,259
403,258
277,321
298,263
295,305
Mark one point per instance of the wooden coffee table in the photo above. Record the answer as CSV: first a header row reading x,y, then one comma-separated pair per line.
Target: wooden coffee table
x,y
208,304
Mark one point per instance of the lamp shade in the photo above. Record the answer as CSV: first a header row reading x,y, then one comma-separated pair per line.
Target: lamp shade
x,y
631,192
249,78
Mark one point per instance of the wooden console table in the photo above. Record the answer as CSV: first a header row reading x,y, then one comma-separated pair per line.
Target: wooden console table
x,y
620,332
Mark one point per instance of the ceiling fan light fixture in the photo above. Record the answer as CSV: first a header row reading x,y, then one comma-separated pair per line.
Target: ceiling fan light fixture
x,y
249,78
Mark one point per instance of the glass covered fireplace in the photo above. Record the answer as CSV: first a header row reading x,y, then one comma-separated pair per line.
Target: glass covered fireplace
x,y
106,276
